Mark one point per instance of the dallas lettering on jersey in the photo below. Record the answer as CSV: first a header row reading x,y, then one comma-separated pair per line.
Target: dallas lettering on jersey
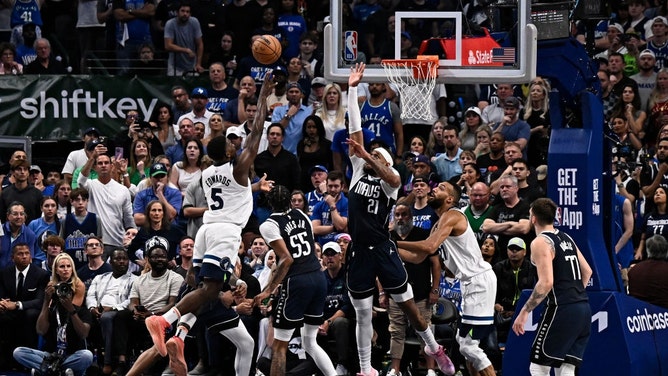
x,y
657,222
380,118
95,106
367,190
213,179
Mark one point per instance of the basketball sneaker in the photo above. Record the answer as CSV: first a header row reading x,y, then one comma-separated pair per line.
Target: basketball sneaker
x,y
176,360
156,326
444,363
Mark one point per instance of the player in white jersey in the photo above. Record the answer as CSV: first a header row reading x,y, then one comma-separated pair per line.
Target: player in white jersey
x,y
453,237
227,189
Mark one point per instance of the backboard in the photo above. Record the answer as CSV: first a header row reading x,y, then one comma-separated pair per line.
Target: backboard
x,y
506,56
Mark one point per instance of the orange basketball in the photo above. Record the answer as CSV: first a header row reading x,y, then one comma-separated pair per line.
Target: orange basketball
x,y
267,49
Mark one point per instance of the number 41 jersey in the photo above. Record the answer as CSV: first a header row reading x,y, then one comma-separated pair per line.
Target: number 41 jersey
x,y
228,201
295,228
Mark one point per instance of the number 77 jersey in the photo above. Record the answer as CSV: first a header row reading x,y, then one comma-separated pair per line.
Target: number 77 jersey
x,y
295,228
227,200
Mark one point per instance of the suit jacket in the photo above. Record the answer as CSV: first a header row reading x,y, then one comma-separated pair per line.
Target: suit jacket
x,y
34,284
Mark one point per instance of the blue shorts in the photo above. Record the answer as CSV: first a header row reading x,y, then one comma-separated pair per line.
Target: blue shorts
x,y
365,263
562,335
301,301
216,317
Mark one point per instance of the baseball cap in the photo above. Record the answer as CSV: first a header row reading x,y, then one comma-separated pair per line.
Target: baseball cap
x,y
155,242
647,53
35,168
92,130
421,159
199,92
420,179
517,243
661,19
331,246
158,169
617,26
92,144
233,131
511,102
279,69
318,81
293,85
406,35
318,168
473,109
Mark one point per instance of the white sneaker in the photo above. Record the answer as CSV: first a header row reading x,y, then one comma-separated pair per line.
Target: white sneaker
x,y
341,370
393,372
431,372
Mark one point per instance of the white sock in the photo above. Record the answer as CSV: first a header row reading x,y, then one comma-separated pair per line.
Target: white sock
x,y
172,315
364,331
428,337
320,357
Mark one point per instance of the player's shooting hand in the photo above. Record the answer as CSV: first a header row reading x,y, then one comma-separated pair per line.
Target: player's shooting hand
x,y
357,149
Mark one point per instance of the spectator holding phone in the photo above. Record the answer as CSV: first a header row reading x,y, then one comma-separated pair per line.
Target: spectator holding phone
x,y
153,293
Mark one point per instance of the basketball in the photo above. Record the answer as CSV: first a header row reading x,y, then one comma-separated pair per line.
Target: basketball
x,y
267,49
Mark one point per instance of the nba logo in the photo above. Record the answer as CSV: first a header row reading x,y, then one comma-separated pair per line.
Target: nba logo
x,y
350,46
557,217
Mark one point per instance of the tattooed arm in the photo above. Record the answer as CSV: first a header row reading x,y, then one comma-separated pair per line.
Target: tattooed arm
x,y
542,253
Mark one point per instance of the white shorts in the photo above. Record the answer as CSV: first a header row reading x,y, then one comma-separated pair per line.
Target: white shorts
x,y
214,243
478,296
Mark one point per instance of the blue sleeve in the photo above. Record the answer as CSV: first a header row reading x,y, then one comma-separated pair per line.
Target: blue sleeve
x,y
175,199
317,211
138,206
278,114
342,207
524,131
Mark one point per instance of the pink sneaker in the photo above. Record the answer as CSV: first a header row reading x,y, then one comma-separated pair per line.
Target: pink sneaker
x,y
373,372
176,360
444,363
156,326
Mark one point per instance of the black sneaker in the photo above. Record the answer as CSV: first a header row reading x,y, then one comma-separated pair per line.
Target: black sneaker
x,y
120,370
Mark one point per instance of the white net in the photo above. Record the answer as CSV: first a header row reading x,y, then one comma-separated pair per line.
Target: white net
x,y
415,80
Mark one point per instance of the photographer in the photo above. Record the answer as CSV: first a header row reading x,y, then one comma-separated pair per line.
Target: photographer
x,y
63,324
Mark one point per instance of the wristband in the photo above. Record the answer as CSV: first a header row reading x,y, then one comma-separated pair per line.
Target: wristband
x,y
332,208
434,291
126,175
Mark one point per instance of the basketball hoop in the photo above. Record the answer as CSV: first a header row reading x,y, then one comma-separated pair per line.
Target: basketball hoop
x,y
415,80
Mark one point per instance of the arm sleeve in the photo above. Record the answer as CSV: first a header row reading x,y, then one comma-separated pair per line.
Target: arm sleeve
x,y
354,111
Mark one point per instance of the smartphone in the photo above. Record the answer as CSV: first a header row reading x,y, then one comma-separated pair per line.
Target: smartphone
x,y
119,153
140,308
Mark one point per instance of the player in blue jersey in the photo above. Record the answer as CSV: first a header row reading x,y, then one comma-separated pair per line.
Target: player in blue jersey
x,y
303,286
227,189
563,274
373,191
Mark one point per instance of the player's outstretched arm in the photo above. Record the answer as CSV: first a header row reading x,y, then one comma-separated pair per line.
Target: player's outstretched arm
x,y
428,246
247,157
355,118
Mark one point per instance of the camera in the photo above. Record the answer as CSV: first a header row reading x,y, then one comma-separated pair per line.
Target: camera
x,y
51,364
64,290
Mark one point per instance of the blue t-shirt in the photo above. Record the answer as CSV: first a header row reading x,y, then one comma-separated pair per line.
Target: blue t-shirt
x,y
321,212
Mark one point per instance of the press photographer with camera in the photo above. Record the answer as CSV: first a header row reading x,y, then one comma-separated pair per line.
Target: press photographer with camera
x,y
63,324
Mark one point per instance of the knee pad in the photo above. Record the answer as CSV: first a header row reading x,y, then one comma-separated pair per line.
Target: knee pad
x,y
406,295
470,349
283,334
538,370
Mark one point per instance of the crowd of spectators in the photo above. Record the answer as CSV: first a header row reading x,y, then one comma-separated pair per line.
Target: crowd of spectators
x,y
113,196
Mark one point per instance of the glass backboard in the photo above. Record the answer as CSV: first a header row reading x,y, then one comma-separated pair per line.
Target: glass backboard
x,y
504,51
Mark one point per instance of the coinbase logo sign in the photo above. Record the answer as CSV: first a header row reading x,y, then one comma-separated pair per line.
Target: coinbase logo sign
x,y
645,321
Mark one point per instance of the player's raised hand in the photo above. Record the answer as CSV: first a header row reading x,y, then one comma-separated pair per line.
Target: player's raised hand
x,y
356,74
